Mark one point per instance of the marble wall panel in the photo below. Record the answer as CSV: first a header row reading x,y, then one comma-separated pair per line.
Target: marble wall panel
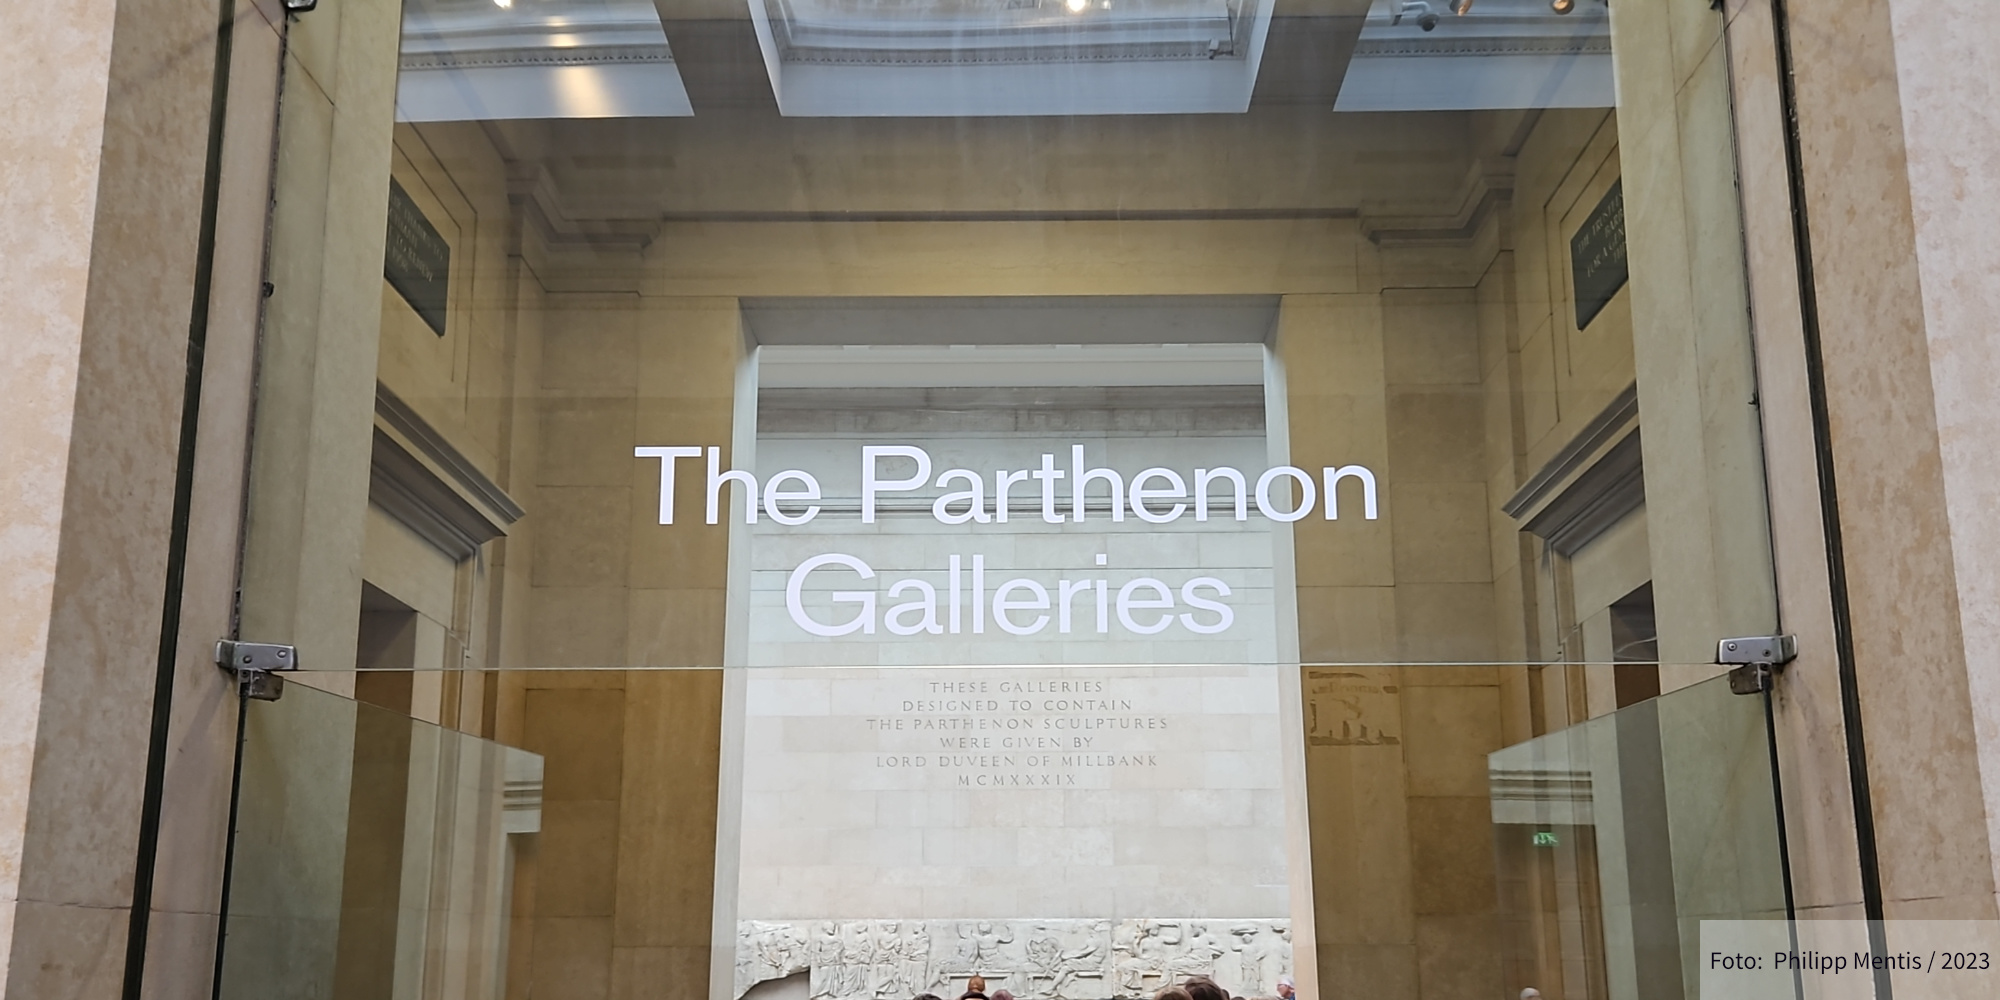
x,y
1883,412
103,142
1952,207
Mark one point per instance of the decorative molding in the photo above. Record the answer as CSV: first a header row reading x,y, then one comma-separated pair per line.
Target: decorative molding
x,y
434,446
536,199
1544,794
442,495
1425,46
407,490
1611,488
1611,422
1485,189
523,56
521,798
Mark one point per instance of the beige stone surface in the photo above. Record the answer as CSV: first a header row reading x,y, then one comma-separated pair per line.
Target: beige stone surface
x,y
1952,187
202,734
1897,532
1347,624
1004,258
318,363
577,867
1813,747
571,959
102,142
666,838
1692,350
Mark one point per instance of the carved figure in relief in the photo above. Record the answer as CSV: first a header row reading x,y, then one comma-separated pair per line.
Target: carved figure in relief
x,y
887,975
1196,952
917,959
1044,958
990,959
857,954
1262,957
1283,948
1085,958
1068,959
767,951
1249,959
824,979
964,956
1144,955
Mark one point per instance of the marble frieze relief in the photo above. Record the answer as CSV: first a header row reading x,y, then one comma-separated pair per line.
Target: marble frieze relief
x,y
1033,959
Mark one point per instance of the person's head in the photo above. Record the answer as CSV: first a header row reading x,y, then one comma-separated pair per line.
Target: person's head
x,y
1285,989
1531,993
977,984
927,996
1204,988
1172,993
1002,995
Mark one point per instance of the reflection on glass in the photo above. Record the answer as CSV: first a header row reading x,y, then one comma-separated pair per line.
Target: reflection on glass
x,y
1011,57
374,854
465,60
1420,56
1616,837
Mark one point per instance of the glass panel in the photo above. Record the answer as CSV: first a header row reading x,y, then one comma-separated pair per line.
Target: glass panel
x,y
374,855
1615,838
1073,494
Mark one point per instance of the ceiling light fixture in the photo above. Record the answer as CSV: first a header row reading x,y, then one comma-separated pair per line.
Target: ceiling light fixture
x,y
504,4
1562,6
1462,8
1077,6
1425,17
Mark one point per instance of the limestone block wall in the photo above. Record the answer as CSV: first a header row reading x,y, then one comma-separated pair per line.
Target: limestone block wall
x,y
1403,885
619,900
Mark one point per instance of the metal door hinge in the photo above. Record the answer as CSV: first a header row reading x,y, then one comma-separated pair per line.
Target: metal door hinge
x,y
1756,660
257,665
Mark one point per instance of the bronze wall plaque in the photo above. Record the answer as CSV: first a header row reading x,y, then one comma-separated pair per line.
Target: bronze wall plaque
x,y
1597,256
416,259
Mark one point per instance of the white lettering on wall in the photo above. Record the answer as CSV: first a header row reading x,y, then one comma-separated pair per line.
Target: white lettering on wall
x,y
1144,606
1163,503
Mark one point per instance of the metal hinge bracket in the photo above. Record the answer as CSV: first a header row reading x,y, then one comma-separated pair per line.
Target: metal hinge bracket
x,y
1756,660
257,665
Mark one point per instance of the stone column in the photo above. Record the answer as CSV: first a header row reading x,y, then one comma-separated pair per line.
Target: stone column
x,y
103,130
316,368
1691,336
1902,211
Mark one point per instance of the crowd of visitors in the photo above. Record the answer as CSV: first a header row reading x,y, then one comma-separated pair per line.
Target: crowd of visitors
x,y
1195,988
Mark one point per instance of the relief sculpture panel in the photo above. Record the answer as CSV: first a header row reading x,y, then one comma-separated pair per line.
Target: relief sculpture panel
x,y
1033,959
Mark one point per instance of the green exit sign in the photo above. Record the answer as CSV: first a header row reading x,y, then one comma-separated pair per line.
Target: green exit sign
x,y
1546,838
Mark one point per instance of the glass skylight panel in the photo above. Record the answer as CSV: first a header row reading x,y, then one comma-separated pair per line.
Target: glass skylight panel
x,y
1011,57
468,60
1420,55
